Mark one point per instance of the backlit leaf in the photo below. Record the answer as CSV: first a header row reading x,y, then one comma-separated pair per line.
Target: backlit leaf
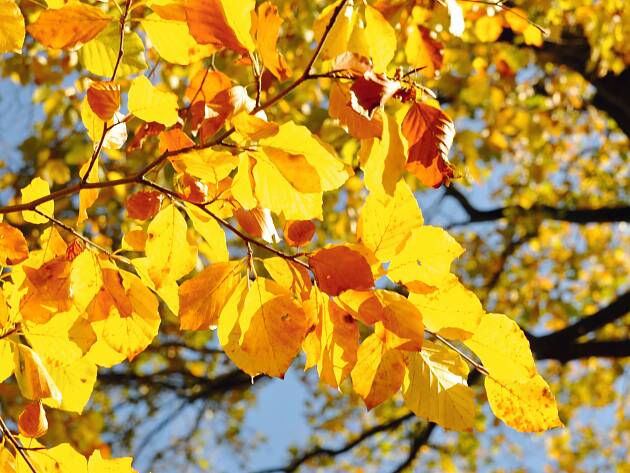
x,y
202,297
261,327
13,247
435,387
12,31
143,205
75,380
429,133
104,99
424,51
32,422
381,38
100,54
298,232
150,104
32,376
66,27
37,189
267,30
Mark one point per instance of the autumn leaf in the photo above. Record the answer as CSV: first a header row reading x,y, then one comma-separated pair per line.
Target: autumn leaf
x,y
13,247
66,27
37,189
13,31
381,37
32,376
221,23
202,297
75,381
488,28
358,125
339,268
267,30
87,197
32,422
99,56
429,133
116,133
151,104
290,275
298,232
525,404
378,373
386,223
104,99
423,51
261,327
435,387
143,205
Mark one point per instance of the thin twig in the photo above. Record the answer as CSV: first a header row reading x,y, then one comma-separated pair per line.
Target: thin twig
x,y
478,366
7,433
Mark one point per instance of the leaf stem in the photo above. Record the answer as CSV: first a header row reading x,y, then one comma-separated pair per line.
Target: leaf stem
x,y
8,434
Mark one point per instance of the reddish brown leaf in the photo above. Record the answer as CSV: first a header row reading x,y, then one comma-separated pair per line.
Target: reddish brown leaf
x,y
208,25
358,125
75,248
192,189
371,91
258,223
144,205
339,268
205,85
104,99
13,247
174,140
298,232
429,132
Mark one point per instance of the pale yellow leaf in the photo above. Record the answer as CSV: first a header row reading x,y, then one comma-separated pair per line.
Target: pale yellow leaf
x,y
151,104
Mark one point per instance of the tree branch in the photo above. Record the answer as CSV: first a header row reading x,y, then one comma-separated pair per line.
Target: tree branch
x,y
417,442
574,351
580,216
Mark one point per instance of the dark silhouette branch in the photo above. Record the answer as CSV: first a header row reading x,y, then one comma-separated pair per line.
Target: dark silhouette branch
x,y
417,442
580,216
575,351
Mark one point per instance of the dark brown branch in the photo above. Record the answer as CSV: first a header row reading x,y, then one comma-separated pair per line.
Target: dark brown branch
x,y
580,216
417,442
575,351
331,452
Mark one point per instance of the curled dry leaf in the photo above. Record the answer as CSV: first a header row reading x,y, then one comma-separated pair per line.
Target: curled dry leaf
x,y
298,232
144,205
370,92
104,99
32,422
429,133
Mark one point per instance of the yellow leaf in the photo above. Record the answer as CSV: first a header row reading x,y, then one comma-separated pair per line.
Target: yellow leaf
x,y
202,297
488,28
502,347
132,326
386,223
386,159
12,32
13,246
168,251
378,373
6,359
87,197
7,461
97,464
253,127
60,459
294,139
75,380
381,38
37,189
32,376
451,310
289,275
423,51
151,104
86,279
533,36
337,334
525,404
261,328
435,387
172,40
100,54
209,165
211,232
66,27
425,259
51,340
339,36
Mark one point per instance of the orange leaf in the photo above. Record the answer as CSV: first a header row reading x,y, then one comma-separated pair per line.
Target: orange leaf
x,y
379,371
424,51
339,268
32,422
13,247
267,30
174,140
66,27
104,99
429,132
205,85
208,24
298,232
144,205
258,223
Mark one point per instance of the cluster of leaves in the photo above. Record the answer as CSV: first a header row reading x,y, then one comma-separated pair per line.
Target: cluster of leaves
x,y
219,164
